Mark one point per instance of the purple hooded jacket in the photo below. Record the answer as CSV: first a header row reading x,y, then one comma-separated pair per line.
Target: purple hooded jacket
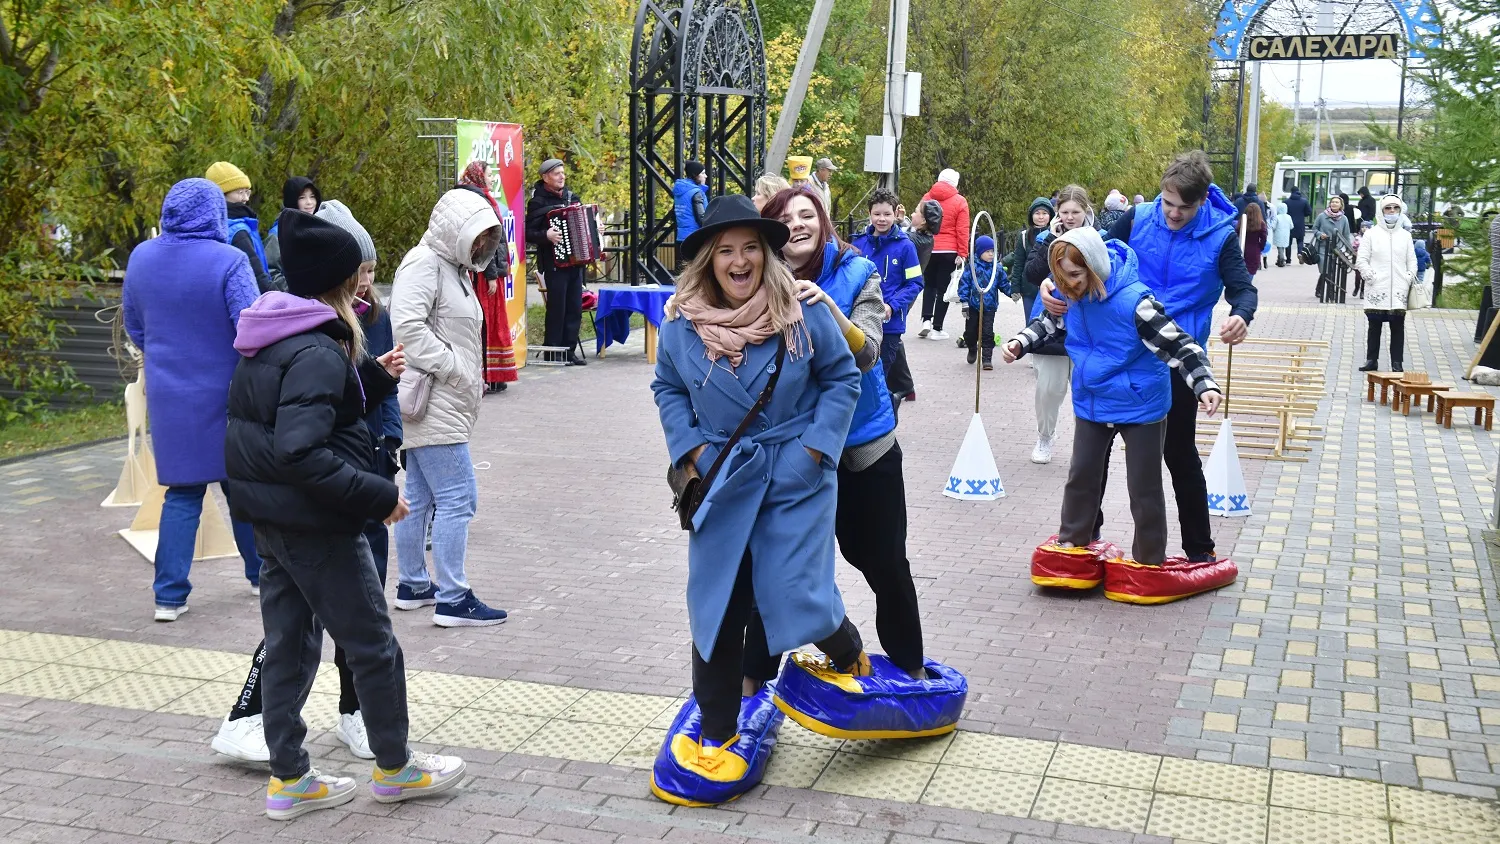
x,y
183,293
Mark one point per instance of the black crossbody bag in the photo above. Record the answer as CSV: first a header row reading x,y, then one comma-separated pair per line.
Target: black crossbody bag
x,y
688,490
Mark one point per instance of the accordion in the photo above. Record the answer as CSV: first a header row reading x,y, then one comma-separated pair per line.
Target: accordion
x,y
579,227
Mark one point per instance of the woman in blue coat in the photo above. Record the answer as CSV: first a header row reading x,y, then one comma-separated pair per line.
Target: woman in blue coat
x,y
182,299
763,536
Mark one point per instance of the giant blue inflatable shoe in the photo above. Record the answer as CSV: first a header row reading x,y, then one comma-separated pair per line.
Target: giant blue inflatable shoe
x,y
886,704
689,772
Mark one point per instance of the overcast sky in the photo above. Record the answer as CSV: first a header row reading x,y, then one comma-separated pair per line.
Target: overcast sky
x,y
1345,83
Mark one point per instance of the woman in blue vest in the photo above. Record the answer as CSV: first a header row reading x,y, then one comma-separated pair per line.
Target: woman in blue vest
x,y
1121,341
763,535
244,228
871,523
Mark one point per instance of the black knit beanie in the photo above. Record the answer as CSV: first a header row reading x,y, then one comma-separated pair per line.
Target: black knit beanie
x,y
316,255
694,170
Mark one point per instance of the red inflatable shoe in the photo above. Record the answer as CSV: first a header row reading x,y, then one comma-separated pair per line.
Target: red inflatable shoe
x,y
1070,568
1130,582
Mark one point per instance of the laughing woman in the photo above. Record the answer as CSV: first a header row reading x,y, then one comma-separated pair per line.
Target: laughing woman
x,y
763,535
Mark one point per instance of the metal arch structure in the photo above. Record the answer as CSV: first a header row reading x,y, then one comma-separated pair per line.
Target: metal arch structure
x,y
1414,20
697,92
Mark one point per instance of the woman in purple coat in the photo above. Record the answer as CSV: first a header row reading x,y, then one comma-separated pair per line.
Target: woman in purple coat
x,y
183,295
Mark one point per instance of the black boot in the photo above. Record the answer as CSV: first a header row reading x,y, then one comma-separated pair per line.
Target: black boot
x,y
1396,366
972,354
1371,366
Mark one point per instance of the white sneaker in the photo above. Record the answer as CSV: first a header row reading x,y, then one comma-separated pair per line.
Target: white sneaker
x,y
938,334
1043,451
243,739
255,590
170,613
925,329
424,773
351,731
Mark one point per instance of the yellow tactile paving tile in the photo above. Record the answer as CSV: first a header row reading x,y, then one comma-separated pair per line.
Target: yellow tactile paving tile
x,y
1095,787
1208,821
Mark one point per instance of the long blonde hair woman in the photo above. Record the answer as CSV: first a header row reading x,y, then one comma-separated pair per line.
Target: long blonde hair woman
x,y
763,535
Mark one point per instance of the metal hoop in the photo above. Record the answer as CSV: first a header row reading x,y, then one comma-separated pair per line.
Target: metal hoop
x,y
983,290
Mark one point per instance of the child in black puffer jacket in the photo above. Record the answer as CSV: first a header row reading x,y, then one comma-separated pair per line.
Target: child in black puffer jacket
x,y
301,467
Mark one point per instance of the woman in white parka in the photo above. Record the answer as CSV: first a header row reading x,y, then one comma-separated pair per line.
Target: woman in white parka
x,y
1388,262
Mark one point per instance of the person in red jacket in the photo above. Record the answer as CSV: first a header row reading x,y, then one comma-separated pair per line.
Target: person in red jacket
x,y
949,246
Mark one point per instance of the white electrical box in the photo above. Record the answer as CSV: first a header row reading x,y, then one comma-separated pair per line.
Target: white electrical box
x,y
912,107
880,154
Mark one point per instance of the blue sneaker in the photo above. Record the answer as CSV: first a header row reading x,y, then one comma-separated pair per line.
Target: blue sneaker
x,y
408,598
469,612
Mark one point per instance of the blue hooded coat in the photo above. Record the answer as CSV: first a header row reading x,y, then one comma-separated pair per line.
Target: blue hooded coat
x,y
1116,379
182,298
968,287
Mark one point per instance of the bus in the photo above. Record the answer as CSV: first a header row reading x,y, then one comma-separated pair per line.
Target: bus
x,y
1321,179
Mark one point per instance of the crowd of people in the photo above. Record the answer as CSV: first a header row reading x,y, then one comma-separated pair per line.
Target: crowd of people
x,y
277,371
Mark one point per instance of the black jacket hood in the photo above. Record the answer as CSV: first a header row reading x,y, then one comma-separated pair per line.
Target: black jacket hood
x,y
294,188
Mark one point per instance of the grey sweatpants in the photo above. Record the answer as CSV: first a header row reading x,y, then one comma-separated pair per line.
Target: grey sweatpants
x,y
1148,505
1053,374
309,581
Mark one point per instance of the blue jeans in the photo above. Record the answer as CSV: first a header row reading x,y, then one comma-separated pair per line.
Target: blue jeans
x,y
441,488
178,537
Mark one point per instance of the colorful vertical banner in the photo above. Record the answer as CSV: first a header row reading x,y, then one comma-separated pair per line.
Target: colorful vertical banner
x,y
500,145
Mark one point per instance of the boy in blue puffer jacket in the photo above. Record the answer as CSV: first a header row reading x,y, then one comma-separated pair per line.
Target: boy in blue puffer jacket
x,y
976,276
895,258
1124,348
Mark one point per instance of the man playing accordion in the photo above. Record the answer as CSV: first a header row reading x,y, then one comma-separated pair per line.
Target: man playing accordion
x,y
564,284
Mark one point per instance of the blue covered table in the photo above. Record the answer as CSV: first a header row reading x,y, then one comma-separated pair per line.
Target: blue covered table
x,y
617,302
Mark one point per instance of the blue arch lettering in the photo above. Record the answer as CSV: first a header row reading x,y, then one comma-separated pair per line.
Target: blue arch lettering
x,y
1236,17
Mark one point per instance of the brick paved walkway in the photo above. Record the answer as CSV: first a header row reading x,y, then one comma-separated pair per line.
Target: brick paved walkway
x,y
574,537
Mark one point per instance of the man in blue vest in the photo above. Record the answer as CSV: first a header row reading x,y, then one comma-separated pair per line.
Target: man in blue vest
x,y
1189,255
690,199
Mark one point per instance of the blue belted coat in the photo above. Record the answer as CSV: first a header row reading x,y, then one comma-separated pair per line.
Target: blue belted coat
x,y
769,498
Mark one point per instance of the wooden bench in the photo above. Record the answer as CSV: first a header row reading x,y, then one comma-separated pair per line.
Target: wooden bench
x,y
1402,393
1383,380
1483,404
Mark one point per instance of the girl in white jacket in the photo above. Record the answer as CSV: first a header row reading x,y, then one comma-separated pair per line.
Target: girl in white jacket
x,y
1388,263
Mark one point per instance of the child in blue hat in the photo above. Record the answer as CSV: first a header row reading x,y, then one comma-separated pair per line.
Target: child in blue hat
x,y
970,290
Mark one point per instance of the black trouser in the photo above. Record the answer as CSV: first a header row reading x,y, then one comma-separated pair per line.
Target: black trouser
x,y
935,283
248,702
718,680
898,378
564,307
1148,507
871,528
1188,485
972,328
310,580
1397,321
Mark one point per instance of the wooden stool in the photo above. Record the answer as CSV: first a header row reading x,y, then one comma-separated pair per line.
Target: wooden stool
x,y
1402,393
1383,379
1483,404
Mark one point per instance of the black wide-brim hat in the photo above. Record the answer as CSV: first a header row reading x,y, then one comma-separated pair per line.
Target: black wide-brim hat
x,y
732,212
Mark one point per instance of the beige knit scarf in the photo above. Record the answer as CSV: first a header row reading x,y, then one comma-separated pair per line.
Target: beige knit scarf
x,y
726,332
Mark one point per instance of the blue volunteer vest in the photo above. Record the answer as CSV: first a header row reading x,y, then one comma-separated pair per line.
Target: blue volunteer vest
x,y
842,279
249,225
1116,379
682,206
1182,268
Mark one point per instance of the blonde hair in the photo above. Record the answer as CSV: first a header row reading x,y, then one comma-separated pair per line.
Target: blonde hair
x,y
1092,285
697,281
341,299
769,185
1075,193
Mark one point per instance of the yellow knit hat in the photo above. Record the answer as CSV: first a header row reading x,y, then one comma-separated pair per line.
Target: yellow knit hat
x,y
227,176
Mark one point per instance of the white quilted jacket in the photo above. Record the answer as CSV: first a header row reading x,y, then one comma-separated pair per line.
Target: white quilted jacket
x,y
1388,262
436,315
